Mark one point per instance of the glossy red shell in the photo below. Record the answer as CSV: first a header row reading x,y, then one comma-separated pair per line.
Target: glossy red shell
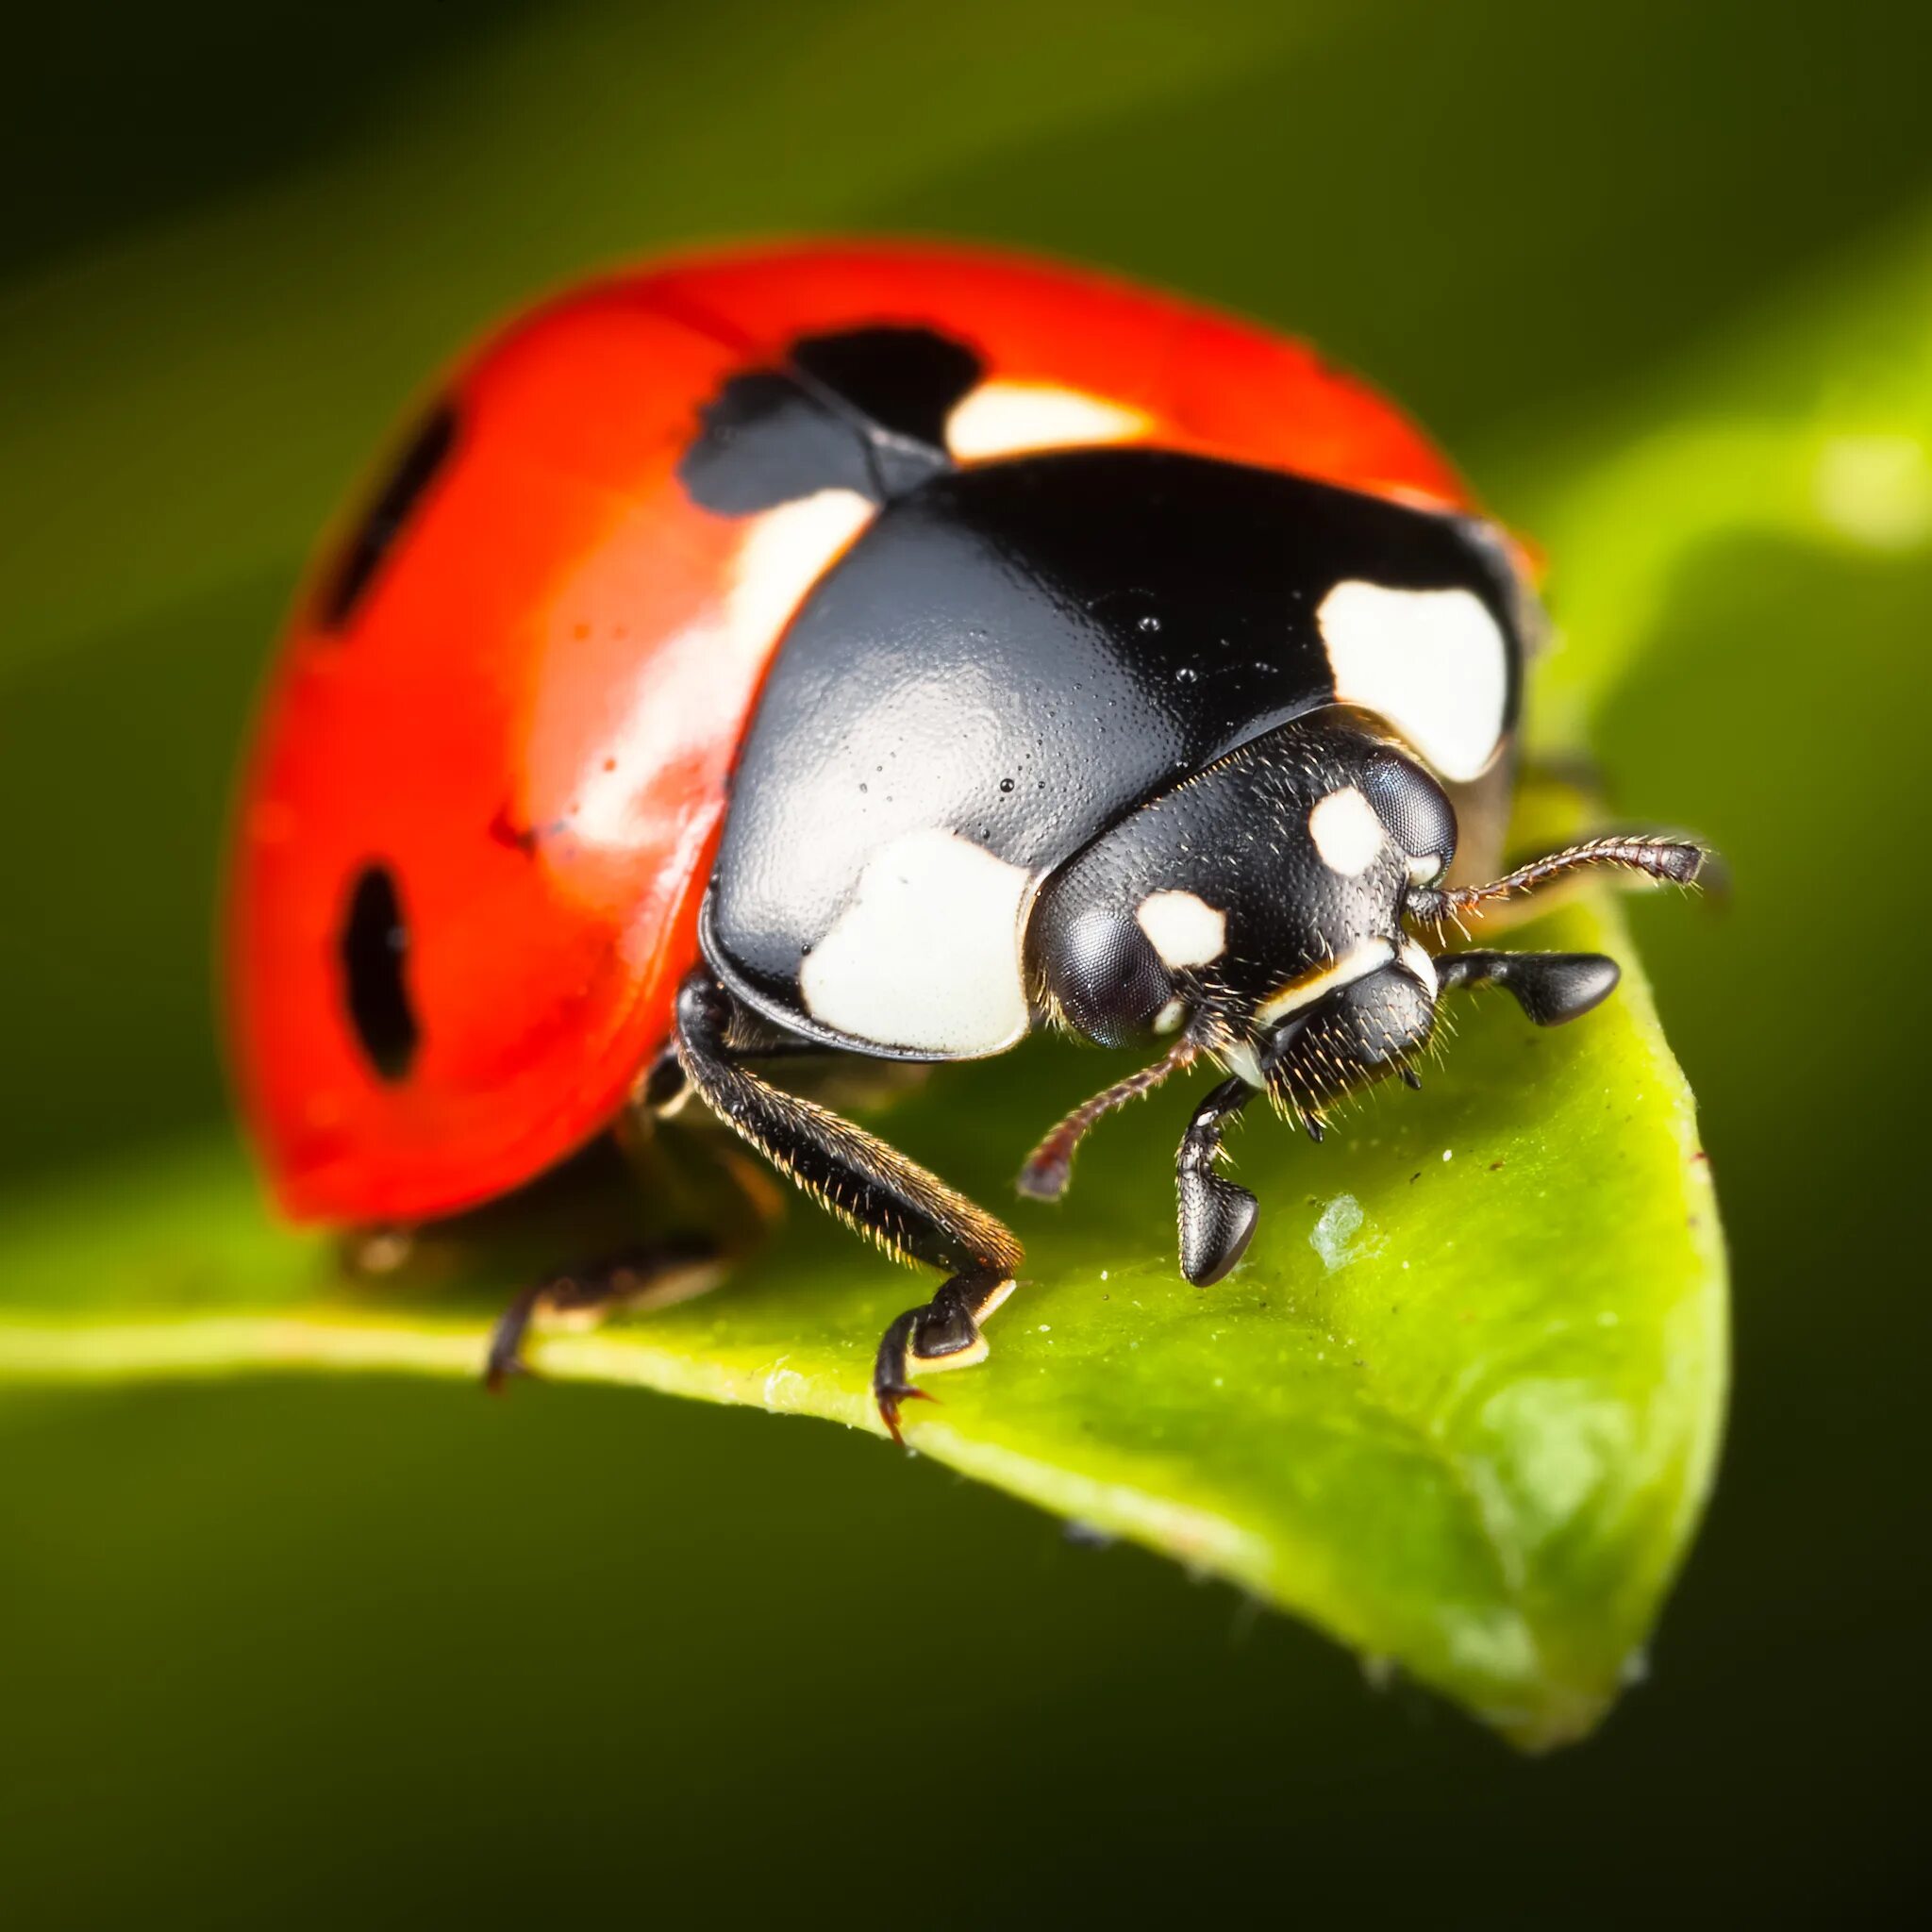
x,y
530,716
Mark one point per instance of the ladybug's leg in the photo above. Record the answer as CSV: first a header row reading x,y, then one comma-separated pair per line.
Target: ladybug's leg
x,y
1550,987
729,1200
871,1188
1217,1218
650,1275
942,1333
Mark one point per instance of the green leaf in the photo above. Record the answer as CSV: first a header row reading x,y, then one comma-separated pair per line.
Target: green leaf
x,y
1458,1408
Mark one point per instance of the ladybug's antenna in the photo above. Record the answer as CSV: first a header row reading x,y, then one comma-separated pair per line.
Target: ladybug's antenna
x,y
1050,1166
1675,860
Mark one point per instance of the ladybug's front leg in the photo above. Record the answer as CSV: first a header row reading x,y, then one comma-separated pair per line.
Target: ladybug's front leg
x,y
1217,1218
1550,987
869,1186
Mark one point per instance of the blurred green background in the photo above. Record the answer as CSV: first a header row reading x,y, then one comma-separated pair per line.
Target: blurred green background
x,y
307,1653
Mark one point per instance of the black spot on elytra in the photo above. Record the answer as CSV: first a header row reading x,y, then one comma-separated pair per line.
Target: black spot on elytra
x,y
864,410
905,382
415,470
375,948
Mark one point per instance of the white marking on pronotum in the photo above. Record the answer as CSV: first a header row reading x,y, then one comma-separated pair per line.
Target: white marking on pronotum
x,y
1419,964
1363,958
926,954
1433,663
999,419
1185,930
1346,832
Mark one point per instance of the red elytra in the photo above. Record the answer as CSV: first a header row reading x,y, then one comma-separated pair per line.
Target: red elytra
x,y
530,713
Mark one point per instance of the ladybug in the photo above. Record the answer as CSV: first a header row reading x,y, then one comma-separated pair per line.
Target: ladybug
x,y
879,651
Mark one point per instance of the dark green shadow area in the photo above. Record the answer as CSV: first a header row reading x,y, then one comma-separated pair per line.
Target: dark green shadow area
x,y
115,767
1785,695
1513,216
135,113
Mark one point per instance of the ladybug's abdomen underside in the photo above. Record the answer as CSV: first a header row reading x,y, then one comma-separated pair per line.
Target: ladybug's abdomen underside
x,y
1009,659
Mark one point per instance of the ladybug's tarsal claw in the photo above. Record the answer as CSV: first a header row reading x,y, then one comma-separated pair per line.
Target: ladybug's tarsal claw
x,y
498,1376
943,1333
506,1357
888,1401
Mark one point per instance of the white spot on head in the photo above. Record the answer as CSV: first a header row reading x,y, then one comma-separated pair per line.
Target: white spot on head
x,y
1433,663
1170,1016
926,956
1185,930
1000,419
1346,832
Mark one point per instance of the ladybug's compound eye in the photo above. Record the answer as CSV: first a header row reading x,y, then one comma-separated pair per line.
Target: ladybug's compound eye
x,y
1103,972
1415,810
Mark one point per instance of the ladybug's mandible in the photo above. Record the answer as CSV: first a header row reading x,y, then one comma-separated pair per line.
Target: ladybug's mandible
x,y
886,651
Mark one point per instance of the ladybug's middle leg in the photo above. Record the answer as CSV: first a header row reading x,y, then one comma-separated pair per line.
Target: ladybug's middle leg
x,y
648,1274
725,1202
869,1186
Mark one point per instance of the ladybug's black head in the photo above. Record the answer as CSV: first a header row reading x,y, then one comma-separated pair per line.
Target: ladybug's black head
x,y
1256,913
1259,902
